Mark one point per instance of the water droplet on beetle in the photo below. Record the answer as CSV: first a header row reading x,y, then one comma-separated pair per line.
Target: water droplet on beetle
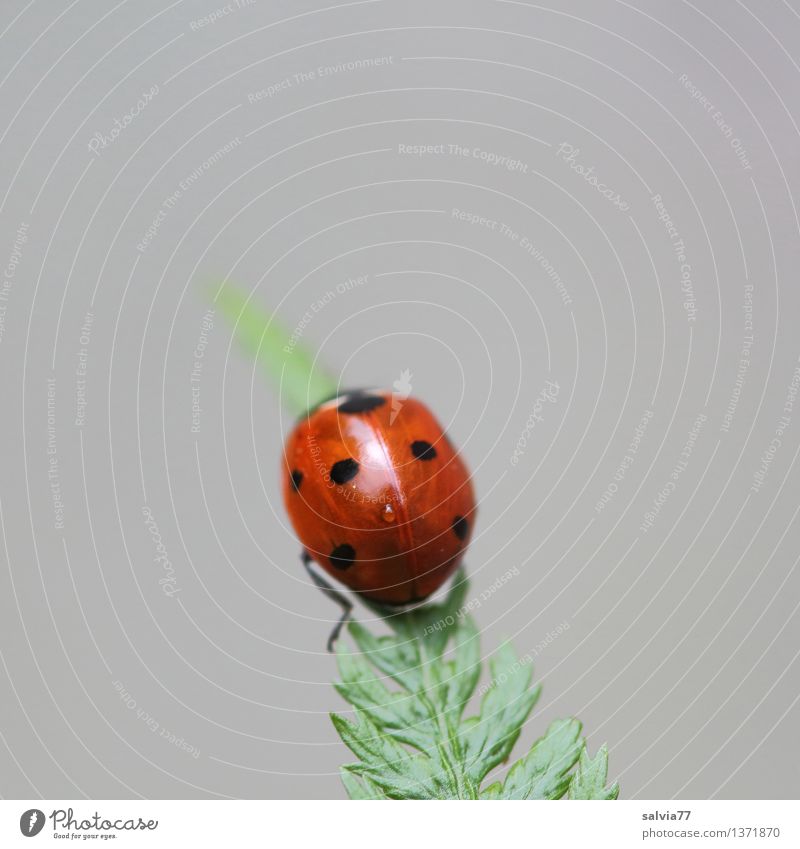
x,y
388,514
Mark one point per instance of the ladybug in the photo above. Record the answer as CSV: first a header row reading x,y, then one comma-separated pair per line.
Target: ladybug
x,y
378,496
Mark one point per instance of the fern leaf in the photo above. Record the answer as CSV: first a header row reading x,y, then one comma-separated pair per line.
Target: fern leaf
x,y
410,691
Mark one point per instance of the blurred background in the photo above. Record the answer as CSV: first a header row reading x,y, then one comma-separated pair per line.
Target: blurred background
x,y
574,226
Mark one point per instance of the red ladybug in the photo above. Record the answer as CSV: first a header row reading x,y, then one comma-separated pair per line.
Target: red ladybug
x,y
378,496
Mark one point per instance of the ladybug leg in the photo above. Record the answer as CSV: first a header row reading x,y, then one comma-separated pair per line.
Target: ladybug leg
x,y
334,595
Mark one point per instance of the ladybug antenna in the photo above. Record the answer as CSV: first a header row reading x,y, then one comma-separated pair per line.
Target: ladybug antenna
x,y
302,382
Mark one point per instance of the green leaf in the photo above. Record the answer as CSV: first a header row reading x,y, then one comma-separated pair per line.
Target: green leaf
x,y
404,716
303,383
493,791
488,739
397,657
434,624
410,691
543,772
589,780
398,773
461,674
360,788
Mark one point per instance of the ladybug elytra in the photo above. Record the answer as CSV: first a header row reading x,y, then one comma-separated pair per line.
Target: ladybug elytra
x,y
378,496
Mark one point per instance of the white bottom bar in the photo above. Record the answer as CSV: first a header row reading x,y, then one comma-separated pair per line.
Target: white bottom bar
x,y
384,825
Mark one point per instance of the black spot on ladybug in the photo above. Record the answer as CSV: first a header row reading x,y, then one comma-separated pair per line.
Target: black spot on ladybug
x,y
423,450
358,403
344,471
460,527
342,393
342,556
297,479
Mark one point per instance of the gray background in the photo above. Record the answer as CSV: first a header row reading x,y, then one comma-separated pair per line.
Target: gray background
x,y
677,644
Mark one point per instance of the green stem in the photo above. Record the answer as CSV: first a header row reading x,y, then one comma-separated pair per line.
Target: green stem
x,y
291,366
